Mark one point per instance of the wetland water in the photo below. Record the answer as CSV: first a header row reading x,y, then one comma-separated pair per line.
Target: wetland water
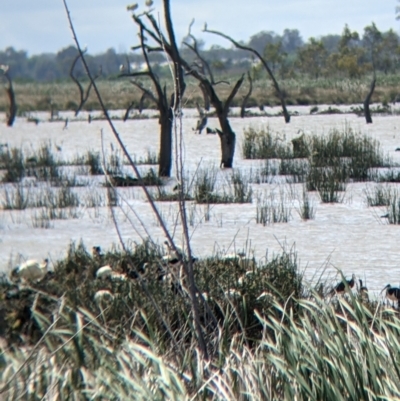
x,y
349,235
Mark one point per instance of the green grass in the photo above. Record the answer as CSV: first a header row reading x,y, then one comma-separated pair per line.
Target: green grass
x,y
306,208
237,188
272,209
264,144
379,195
352,155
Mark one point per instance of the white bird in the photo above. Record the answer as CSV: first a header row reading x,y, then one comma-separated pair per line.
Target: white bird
x,y
4,67
121,68
233,293
104,272
245,276
103,295
132,7
118,276
266,295
171,251
239,257
232,256
172,257
31,270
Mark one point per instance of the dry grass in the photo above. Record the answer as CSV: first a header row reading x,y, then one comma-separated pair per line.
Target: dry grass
x,y
118,94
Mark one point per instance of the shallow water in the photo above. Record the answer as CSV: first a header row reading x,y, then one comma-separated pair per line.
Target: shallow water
x,y
348,236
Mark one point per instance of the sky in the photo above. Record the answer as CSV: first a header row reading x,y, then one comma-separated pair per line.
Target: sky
x,y
41,26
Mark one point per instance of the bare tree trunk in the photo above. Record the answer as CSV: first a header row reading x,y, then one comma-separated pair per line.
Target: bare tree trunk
x,y
12,111
367,100
13,105
246,98
166,121
228,141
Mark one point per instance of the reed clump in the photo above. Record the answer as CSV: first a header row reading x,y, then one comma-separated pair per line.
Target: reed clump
x,y
273,338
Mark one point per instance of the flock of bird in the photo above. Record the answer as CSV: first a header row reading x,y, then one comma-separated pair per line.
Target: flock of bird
x,y
172,268
392,293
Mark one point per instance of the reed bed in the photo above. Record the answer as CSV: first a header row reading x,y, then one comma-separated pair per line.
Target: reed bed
x,y
287,342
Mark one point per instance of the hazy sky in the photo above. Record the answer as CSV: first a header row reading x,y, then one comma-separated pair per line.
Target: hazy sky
x,y
41,25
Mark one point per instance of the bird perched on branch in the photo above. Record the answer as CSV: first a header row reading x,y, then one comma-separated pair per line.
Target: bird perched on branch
x,y
340,288
31,270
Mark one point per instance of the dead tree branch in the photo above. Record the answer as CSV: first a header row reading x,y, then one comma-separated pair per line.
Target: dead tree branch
x,y
278,91
83,95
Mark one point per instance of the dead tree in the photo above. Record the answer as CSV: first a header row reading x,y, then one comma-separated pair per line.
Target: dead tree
x,y
247,96
167,104
12,111
83,95
367,112
278,91
205,76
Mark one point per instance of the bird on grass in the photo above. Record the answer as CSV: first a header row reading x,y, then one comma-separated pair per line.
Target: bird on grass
x,y
96,252
104,272
31,270
340,288
392,293
363,291
173,257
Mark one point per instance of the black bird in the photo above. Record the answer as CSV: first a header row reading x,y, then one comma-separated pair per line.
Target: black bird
x,y
392,293
363,291
340,288
96,252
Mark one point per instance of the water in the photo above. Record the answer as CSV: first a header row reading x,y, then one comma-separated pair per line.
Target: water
x,y
348,236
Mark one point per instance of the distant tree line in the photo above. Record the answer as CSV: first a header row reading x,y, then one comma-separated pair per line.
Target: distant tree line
x,y
349,54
